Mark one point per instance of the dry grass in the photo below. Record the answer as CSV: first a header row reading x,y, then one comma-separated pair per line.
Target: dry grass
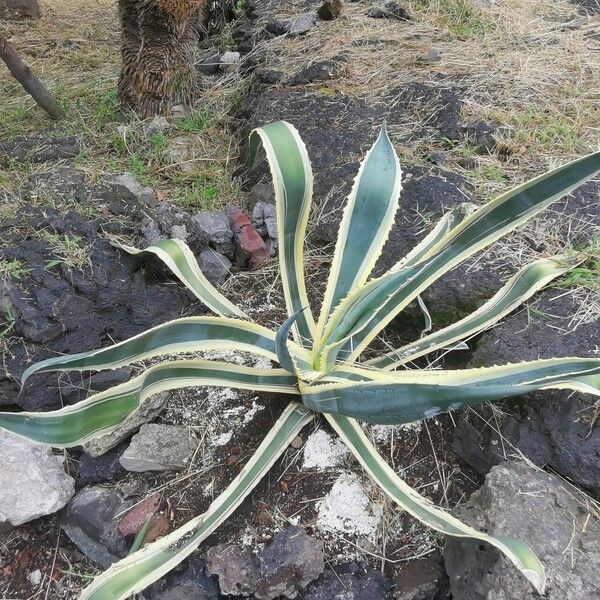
x,y
530,67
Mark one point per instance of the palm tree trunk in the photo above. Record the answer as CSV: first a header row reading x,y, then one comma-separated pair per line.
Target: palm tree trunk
x,y
159,40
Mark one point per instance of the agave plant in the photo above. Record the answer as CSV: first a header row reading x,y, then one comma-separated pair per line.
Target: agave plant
x,y
320,368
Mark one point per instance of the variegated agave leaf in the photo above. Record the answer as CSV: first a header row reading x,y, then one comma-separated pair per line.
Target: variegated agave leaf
x,y
318,364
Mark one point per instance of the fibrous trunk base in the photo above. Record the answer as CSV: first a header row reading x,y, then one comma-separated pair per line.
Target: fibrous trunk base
x,y
159,39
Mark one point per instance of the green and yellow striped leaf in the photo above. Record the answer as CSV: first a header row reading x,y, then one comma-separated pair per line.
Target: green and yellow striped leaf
x,y
407,396
518,289
366,311
366,224
293,182
422,509
137,571
100,413
180,260
191,334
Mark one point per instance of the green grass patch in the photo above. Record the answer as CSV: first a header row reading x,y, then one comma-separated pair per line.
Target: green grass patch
x,y
12,269
539,128
198,120
70,250
461,17
201,194
587,274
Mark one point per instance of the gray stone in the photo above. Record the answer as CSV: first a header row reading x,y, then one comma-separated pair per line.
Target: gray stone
x,y
349,582
422,579
543,512
100,469
270,76
213,228
258,218
439,158
210,65
150,231
330,9
270,217
264,219
286,566
235,566
148,410
158,124
91,521
391,10
551,427
168,215
482,134
179,110
301,25
289,564
33,482
277,27
320,70
129,182
179,232
230,58
181,153
432,55
214,265
159,448
188,584
262,192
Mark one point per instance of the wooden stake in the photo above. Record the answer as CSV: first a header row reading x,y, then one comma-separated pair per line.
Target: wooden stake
x,y
22,73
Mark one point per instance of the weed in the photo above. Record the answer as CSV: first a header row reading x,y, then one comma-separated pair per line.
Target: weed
x,y
12,269
532,312
139,168
492,172
158,141
8,323
586,275
201,194
198,120
70,250
539,127
106,110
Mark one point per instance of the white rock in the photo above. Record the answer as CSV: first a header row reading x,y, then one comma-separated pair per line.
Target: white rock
x,y
33,482
35,578
321,451
383,433
347,509
230,58
222,438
